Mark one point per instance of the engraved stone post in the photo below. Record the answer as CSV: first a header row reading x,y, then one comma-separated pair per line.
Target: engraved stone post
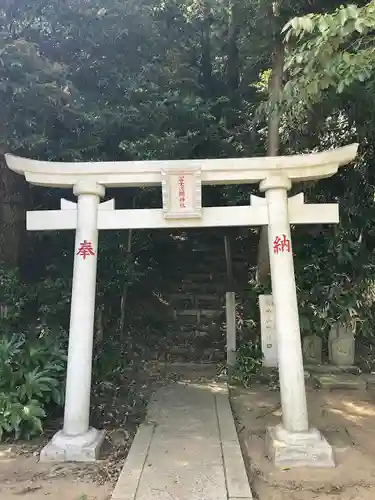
x,y
267,331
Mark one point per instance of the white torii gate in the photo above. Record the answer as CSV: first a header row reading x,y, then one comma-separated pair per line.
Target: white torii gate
x,y
292,441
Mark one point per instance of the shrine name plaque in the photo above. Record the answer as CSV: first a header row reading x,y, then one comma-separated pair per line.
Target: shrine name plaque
x,y
182,193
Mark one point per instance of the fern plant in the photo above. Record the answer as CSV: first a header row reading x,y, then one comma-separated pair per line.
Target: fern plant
x,y
31,377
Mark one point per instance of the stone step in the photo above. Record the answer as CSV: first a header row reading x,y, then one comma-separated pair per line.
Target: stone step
x,y
182,300
206,366
187,325
339,381
196,300
191,334
206,262
201,312
193,287
181,295
218,253
185,312
209,274
205,276
208,299
198,313
332,369
209,305
188,353
208,296
198,337
220,288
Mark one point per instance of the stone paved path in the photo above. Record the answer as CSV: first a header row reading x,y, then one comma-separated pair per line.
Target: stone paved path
x,y
187,449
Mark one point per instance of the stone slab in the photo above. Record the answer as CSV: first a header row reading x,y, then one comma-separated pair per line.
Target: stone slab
x,y
235,473
187,450
339,439
326,368
370,381
127,484
60,449
303,451
340,381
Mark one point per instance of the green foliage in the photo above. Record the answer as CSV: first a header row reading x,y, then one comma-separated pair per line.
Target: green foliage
x,y
14,297
337,285
53,297
329,51
49,298
31,378
248,363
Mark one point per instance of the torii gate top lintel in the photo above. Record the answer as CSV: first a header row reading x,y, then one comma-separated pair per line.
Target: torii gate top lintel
x,y
302,167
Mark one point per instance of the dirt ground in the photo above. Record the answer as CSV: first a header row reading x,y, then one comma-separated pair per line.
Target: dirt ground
x,y
346,418
22,477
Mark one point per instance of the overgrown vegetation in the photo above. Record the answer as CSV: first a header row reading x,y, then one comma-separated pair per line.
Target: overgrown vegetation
x,y
248,363
31,378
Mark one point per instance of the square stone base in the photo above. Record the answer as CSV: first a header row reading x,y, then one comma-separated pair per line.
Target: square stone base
x,y
344,381
81,448
326,368
289,450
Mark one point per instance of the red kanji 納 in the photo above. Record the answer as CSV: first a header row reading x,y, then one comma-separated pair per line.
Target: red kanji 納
x,y
281,244
85,249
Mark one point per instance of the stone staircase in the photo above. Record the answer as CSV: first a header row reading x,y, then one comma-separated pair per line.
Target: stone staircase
x,y
196,295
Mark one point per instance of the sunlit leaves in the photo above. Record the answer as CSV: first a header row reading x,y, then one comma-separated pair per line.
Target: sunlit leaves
x,y
329,51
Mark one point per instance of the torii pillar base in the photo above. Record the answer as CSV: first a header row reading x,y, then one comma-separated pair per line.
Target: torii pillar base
x,y
81,448
298,449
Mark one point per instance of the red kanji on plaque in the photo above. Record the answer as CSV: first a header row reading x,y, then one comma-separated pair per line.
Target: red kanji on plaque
x,y
281,244
85,249
181,190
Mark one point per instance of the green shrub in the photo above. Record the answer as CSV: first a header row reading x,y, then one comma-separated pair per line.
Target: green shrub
x,y
31,377
248,363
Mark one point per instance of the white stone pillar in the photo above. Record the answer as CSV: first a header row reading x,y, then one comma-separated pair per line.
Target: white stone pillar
x,y
77,400
291,373
77,441
292,443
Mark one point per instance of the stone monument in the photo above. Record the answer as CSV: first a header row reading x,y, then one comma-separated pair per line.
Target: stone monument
x,y
341,346
312,349
267,331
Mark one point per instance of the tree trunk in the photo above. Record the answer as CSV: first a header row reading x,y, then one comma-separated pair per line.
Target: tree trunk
x,y
275,88
233,65
273,145
206,56
125,287
12,215
99,324
124,294
233,70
